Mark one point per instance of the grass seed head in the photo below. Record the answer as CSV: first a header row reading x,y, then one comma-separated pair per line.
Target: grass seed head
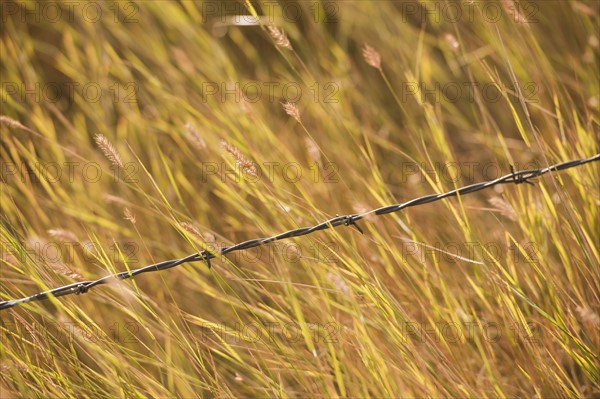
x,y
10,122
292,110
338,282
194,136
62,268
504,208
313,150
190,228
247,165
371,56
63,235
512,8
129,216
280,37
109,150
588,316
452,41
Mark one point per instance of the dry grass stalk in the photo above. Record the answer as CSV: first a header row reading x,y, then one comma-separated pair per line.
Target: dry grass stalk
x,y
371,56
240,160
5,120
21,367
30,329
292,110
279,36
114,198
108,149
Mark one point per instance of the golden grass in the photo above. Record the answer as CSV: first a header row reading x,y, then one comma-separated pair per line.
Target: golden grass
x,y
494,294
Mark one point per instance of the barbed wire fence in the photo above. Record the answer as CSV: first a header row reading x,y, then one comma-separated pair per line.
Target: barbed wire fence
x,y
515,177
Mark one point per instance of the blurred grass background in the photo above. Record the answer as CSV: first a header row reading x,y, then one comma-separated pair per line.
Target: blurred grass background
x,y
492,295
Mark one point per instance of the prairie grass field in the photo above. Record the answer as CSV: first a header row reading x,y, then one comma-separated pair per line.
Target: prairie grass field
x,y
138,132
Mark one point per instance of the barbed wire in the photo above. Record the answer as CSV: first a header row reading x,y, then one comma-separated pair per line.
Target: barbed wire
x,y
515,177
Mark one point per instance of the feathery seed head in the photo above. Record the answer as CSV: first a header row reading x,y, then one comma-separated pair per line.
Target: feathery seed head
x,y
292,110
371,56
194,136
313,150
129,215
190,228
247,165
5,120
279,36
504,208
63,235
108,149
512,8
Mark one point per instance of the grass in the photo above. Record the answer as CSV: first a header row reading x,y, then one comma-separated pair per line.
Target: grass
x,y
494,294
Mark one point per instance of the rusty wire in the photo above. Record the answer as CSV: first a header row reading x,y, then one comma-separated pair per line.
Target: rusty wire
x,y
515,177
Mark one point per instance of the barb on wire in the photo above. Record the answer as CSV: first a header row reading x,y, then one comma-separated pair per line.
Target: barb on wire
x,y
515,177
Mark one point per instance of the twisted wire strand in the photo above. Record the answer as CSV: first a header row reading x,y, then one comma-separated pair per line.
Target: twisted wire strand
x,y
515,177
